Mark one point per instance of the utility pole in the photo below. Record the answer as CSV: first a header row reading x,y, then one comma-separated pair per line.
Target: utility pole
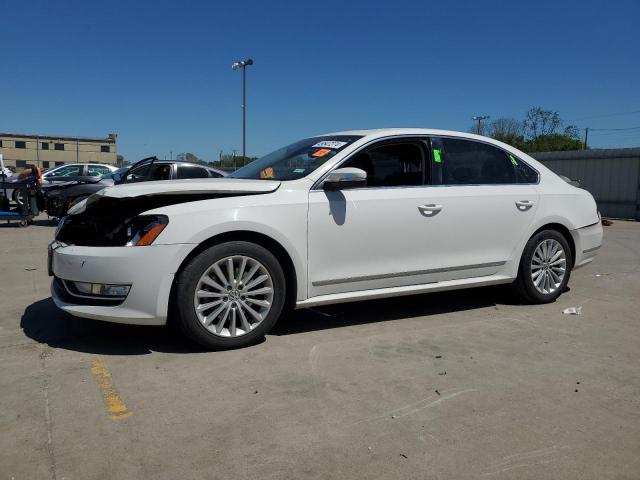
x,y
235,167
586,137
38,151
243,65
479,119
77,150
170,154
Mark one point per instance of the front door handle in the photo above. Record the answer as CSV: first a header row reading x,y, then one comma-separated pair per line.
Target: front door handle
x,y
524,205
430,209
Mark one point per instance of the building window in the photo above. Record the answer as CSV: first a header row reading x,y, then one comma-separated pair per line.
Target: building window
x,y
45,164
21,163
105,148
21,144
59,163
45,146
0,143
58,146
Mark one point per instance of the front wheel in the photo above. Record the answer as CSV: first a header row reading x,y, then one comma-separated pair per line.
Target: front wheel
x,y
545,267
230,295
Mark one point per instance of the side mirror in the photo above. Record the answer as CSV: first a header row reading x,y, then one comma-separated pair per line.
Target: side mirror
x,y
343,178
116,177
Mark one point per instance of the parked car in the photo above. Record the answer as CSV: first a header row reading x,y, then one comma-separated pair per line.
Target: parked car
x,y
61,196
75,172
341,217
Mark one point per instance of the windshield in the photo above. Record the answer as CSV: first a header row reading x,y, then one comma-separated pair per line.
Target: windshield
x,y
111,174
296,160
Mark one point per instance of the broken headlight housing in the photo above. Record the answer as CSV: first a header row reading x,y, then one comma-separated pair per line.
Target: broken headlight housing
x,y
143,230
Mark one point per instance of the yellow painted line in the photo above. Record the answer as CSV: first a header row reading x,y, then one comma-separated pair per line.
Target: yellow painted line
x,y
115,406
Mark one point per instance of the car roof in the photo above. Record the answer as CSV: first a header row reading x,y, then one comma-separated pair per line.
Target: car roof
x,y
383,132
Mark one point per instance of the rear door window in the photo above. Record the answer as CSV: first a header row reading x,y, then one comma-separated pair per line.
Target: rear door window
x,y
468,162
97,170
192,171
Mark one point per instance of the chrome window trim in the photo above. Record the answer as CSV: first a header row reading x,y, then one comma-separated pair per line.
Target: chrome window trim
x,y
317,185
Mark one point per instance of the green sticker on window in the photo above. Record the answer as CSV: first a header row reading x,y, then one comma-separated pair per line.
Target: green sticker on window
x,y
513,160
437,156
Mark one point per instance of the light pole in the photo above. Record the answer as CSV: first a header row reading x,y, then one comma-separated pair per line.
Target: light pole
x,y
479,119
243,65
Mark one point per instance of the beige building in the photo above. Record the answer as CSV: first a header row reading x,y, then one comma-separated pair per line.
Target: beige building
x,y
47,151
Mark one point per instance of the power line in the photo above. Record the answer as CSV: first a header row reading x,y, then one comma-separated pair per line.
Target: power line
x,y
613,129
604,115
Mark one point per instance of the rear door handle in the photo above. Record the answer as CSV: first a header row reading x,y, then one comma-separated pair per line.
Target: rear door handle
x,y
430,210
524,205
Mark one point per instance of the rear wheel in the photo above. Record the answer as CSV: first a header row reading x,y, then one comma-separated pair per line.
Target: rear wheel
x,y
230,295
545,267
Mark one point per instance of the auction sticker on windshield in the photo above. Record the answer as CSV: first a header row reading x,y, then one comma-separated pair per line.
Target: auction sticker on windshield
x,y
334,144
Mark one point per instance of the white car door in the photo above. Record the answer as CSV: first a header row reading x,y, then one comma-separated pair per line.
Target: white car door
x,y
372,237
486,200
396,233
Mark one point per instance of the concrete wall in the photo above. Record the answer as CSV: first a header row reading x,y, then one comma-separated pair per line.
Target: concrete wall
x,y
612,176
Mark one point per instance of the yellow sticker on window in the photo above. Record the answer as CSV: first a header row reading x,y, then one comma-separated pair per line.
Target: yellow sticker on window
x,y
437,156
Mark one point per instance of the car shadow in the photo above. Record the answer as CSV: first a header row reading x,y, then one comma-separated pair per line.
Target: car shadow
x,y
389,309
43,322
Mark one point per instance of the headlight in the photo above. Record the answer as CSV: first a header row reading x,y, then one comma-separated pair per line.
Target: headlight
x,y
143,230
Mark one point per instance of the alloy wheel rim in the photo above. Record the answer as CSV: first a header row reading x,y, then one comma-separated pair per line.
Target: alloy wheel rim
x,y
548,266
233,296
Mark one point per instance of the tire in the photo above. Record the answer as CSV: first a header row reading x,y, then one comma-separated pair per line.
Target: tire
x,y
233,311
18,197
541,278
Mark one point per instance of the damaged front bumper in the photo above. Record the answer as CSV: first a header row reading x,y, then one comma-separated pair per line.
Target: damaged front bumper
x,y
147,272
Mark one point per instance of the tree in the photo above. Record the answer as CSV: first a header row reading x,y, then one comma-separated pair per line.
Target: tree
x,y
507,130
234,161
540,122
187,157
541,130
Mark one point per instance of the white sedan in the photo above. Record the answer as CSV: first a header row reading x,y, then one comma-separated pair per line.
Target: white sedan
x,y
336,218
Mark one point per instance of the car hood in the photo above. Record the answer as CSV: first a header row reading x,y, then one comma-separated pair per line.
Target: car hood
x,y
233,186
104,217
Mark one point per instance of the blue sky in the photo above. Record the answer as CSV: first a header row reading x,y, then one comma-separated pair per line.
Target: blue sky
x,y
159,74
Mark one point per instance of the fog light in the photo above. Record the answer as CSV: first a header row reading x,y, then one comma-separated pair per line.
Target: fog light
x,y
101,289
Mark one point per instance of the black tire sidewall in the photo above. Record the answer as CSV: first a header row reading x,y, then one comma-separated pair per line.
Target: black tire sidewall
x,y
525,280
187,281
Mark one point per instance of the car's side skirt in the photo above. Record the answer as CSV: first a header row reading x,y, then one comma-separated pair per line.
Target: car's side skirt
x,y
383,276
406,290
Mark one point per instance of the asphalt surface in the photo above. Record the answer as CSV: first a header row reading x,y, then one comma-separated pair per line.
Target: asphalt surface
x,y
460,385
